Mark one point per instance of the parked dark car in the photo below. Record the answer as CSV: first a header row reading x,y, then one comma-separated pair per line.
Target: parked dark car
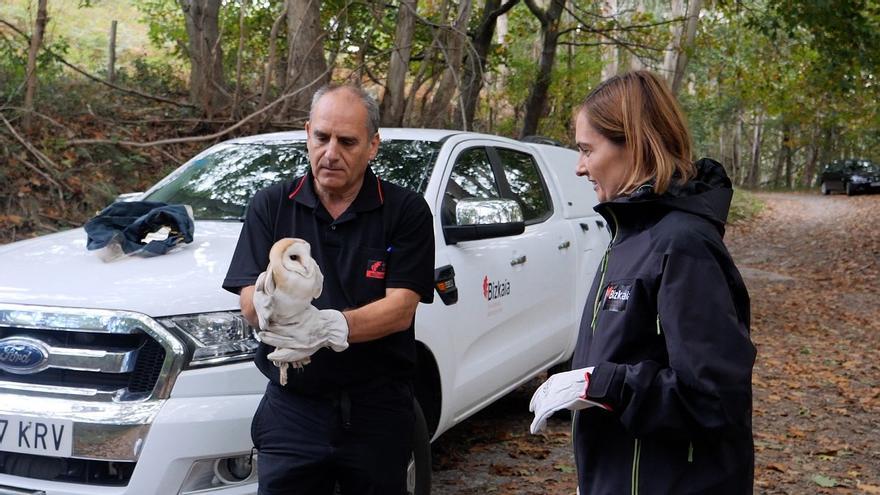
x,y
852,176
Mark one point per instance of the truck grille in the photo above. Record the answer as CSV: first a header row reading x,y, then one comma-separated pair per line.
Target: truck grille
x,y
89,354
131,377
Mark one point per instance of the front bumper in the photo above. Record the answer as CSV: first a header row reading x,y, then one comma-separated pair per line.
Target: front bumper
x,y
211,419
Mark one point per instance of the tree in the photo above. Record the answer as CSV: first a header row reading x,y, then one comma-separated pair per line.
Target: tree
x,y
537,99
394,99
207,84
453,44
306,67
474,73
682,41
31,74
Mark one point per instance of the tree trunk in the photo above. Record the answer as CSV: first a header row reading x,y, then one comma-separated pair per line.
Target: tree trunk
x,y
780,160
755,167
394,100
241,28
609,52
638,8
111,53
306,67
206,78
537,99
735,157
789,153
270,68
450,80
474,72
812,158
682,41
31,74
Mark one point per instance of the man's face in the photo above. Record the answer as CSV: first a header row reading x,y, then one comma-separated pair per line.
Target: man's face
x,y
340,147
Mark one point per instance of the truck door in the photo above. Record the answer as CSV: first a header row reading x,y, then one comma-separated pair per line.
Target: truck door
x,y
510,316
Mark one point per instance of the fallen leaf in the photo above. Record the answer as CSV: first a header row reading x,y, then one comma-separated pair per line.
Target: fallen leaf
x,y
824,481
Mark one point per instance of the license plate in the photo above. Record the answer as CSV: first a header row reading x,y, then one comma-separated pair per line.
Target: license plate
x,y
875,184
38,436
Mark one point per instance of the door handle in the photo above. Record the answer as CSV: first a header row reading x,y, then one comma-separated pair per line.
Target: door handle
x,y
518,260
564,245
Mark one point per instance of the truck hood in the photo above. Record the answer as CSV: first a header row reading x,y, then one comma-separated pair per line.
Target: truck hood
x,y
57,270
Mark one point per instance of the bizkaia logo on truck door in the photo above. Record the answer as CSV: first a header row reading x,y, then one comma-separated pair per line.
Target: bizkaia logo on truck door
x,y
495,290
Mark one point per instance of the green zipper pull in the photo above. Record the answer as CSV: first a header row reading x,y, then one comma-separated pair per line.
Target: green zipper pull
x,y
658,324
691,452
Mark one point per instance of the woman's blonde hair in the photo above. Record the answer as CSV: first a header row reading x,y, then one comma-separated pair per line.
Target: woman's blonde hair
x,y
638,111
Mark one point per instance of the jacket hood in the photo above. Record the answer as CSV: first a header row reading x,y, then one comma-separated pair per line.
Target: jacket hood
x,y
707,195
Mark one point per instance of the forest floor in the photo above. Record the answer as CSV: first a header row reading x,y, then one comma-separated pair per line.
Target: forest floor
x,y
812,267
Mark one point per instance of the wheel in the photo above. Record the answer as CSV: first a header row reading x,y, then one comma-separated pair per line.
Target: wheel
x,y
418,472
849,189
824,189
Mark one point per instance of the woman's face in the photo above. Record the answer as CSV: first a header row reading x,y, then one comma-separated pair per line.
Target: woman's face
x,y
603,162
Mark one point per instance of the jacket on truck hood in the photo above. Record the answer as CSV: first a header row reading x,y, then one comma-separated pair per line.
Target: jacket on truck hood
x,y
666,326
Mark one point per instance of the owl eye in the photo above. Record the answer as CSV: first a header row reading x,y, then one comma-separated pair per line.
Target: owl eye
x,y
294,257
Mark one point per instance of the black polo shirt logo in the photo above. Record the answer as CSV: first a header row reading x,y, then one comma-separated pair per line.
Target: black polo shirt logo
x,y
376,269
616,296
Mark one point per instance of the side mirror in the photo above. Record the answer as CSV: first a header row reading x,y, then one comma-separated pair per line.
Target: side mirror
x,y
483,219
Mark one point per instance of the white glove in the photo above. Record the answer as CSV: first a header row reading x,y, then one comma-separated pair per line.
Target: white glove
x,y
312,330
566,390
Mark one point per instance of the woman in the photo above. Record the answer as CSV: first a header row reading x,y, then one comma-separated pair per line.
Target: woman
x,y
664,344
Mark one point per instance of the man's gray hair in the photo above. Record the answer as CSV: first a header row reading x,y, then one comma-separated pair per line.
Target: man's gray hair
x,y
369,103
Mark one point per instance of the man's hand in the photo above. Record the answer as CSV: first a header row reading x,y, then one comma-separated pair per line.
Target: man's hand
x,y
566,390
313,330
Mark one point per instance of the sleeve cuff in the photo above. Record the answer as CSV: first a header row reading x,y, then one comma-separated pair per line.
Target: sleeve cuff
x,y
606,385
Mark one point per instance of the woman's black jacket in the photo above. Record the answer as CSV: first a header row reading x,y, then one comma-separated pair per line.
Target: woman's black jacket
x,y
666,326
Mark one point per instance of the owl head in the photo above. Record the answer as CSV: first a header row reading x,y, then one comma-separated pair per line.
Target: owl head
x,y
293,269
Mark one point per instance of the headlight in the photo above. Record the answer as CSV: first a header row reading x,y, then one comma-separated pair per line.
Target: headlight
x,y
215,338
858,179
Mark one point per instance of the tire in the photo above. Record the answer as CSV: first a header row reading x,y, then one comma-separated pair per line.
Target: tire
x,y
824,189
849,189
418,473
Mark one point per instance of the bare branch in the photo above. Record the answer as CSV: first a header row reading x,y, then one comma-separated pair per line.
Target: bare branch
x,y
208,137
98,79
30,147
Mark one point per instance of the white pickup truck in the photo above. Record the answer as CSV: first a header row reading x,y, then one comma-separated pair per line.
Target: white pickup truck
x,y
135,376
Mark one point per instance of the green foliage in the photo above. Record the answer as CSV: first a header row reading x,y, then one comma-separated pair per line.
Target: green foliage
x,y
13,64
744,206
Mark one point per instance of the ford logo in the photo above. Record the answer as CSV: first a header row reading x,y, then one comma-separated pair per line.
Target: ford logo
x,y
23,355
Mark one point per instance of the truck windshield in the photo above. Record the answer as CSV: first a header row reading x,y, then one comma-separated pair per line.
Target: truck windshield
x,y
220,184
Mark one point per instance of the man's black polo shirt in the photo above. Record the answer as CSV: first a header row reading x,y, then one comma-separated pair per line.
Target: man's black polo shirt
x,y
384,240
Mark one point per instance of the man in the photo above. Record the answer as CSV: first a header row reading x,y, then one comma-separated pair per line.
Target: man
x,y
346,417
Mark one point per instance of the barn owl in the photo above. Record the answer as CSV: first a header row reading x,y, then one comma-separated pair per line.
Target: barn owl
x,y
289,284
283,302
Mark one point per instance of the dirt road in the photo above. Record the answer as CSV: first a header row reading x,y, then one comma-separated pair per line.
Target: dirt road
x,y
812,266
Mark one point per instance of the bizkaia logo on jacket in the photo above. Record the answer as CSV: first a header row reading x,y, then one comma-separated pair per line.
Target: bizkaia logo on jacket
x,y
616,296
495,290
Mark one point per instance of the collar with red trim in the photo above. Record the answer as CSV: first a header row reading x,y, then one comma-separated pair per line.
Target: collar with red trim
x,y
371,195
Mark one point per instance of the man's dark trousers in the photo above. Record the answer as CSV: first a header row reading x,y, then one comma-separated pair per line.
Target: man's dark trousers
x,y
361,438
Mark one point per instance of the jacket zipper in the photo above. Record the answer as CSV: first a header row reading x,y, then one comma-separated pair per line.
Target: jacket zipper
x,y
637,453
603,268
691,452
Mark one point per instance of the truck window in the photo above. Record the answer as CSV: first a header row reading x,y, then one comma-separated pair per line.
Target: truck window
x,y
526,184
471,177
